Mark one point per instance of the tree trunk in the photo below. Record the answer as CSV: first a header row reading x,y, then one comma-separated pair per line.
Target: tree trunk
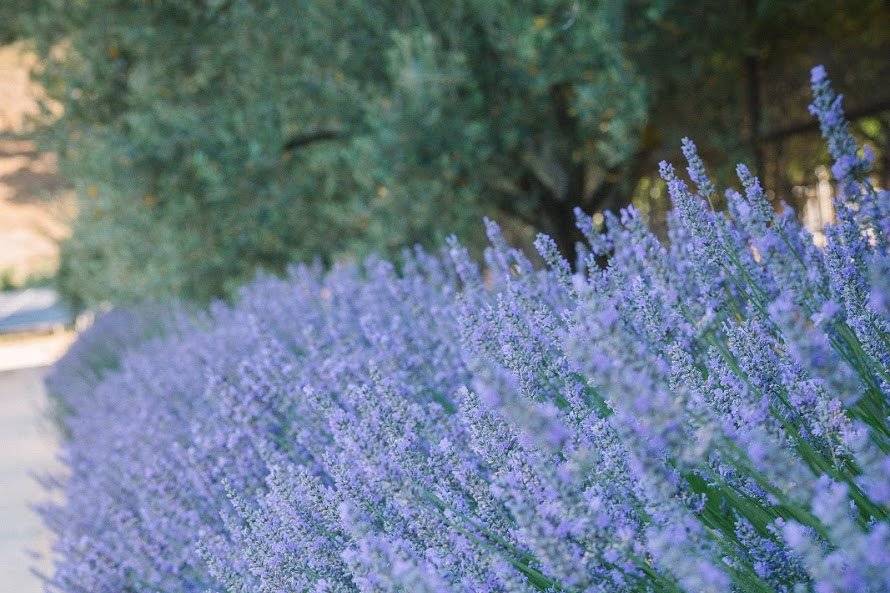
x,y
752,77
565,233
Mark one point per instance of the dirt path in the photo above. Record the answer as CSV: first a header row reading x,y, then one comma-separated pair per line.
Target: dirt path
x,y
27,445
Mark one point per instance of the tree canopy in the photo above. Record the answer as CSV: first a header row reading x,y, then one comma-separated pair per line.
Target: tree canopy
x,y
207,139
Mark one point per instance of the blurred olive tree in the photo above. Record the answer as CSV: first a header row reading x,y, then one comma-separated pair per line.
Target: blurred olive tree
x,y
209,138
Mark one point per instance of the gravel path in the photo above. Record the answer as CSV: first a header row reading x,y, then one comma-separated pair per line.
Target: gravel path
x,y
27,445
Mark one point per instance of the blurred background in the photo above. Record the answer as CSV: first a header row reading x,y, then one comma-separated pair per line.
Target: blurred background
x,y
201,140
161,149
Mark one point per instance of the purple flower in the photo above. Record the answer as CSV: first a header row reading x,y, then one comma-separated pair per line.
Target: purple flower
x,y
705,414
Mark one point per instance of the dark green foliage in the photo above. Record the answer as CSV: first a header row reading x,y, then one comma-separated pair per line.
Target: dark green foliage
x,y
729,73
13,15
210,138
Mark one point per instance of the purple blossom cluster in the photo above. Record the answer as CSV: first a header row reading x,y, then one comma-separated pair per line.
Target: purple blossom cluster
x,y
706,414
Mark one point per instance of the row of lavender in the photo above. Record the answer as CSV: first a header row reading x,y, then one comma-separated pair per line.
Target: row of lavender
x,y
706,415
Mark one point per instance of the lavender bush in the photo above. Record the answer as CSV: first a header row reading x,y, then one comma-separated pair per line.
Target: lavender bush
x,y
706,415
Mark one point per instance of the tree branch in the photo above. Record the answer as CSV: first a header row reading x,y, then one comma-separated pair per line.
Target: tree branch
x,y
301,140
813,126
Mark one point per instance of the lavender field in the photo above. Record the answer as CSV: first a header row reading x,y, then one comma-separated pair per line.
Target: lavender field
x,y
703,414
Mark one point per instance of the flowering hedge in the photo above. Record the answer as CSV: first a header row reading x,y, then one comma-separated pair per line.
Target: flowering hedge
x,y
709,414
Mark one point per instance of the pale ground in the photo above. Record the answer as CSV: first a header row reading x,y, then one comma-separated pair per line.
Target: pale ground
x,y
27,446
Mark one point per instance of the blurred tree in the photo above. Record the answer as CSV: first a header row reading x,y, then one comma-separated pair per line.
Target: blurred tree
x,y
12,13
733,74
211,137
